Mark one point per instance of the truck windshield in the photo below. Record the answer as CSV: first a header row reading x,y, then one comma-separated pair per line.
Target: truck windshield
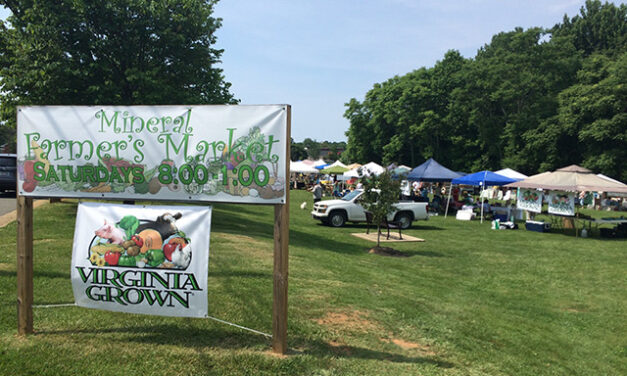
x,y
352,195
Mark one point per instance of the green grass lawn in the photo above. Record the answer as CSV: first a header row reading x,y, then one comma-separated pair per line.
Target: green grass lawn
x,y
468,301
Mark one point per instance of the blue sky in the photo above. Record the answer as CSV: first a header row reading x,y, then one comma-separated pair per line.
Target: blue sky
x,y
317,54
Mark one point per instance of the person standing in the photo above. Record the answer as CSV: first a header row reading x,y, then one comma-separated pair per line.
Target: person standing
x,y
317,192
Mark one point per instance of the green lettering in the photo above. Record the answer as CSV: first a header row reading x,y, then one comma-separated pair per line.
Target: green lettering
x,y
110,122
80,145
166,138
81,273
102,174
39,168
52,174
191,280
184,301
151,299
137,145
29,144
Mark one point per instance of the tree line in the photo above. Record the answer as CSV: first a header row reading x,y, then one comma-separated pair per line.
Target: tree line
x,y
312,149
532,100
124,52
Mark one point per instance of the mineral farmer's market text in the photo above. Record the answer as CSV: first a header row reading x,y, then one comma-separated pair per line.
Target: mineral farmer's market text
x,y
131,127
138,286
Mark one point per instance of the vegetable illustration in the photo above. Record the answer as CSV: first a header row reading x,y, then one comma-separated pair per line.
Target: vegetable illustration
x,y
168,249
138,241
155,257
129,223
132,242
126,261
151,239
112,258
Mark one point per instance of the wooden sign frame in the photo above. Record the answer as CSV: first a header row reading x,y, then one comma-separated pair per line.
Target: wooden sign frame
x,y
280,254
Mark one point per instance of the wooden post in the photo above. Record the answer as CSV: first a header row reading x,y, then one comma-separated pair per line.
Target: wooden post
x,y
24,265
281,247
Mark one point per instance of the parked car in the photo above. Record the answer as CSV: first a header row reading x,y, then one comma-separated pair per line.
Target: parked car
x,y
8,172
348,209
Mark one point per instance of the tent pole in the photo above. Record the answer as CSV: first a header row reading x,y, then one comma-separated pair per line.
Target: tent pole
x,y
450,187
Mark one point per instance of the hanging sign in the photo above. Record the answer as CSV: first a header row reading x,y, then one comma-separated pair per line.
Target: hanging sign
x,y
150,260
197,153
530,200
562,203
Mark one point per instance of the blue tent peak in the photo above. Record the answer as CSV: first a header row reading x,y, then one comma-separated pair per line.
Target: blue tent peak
x,y
432,171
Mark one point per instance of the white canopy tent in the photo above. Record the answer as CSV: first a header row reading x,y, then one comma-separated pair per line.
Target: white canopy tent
x,y
337,163
509,173
303,168
365,170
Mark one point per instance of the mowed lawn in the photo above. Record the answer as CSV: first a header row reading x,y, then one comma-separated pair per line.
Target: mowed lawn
x,y
467,301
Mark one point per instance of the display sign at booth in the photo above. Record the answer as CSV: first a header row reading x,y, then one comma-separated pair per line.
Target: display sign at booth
x,y
150,260
529,199
562,203
199,153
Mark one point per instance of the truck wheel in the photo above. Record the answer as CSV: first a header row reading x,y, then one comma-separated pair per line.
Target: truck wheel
x,y
404,219
337,219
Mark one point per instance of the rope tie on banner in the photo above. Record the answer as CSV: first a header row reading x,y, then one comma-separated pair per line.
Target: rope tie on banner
x,y
54,305
240,327
209,317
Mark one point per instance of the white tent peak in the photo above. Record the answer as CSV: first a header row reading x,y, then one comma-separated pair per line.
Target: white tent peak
x,y
508,172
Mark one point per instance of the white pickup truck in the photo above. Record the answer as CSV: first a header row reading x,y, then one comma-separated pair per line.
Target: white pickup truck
x,y
348,209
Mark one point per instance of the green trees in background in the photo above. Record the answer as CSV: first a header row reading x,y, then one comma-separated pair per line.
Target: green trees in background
x,y
531,100
89,52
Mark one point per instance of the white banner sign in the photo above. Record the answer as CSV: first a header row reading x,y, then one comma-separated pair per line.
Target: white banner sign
x,y
150,260
562,203
197,153
529,199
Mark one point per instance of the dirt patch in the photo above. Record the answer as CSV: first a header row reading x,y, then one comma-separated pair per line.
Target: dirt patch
x,y
275,355
354,321
7,267
387,251
407,345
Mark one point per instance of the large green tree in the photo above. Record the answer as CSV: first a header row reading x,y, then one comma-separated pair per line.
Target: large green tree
x,y
89,52
533,100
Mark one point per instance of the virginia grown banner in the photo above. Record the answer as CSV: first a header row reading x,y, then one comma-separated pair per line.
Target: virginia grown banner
x,y
529,199
562,203
197,153
149,260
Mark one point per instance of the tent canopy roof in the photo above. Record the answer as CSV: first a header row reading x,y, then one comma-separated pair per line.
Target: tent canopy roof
x,y
334,170
303,168
571,178
508,172
485,178
432,171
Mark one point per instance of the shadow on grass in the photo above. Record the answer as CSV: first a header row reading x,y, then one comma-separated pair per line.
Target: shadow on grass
x,y
239,273
258,226
190,336
37,273
425,253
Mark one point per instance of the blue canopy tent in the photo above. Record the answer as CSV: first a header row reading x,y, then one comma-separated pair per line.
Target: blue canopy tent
x,y
432,171
483,179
